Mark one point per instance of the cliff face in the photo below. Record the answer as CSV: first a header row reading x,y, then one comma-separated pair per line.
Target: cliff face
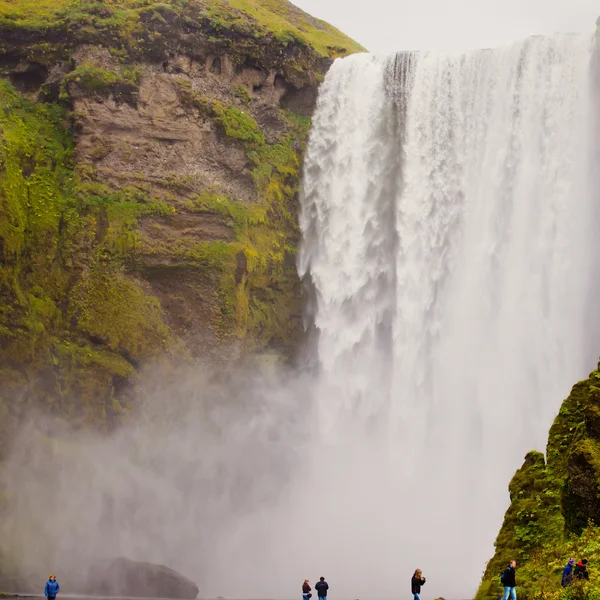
x,y
554,512
149,158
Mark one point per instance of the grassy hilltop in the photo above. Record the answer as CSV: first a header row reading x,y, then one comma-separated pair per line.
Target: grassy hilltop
x,y
127,18
150,156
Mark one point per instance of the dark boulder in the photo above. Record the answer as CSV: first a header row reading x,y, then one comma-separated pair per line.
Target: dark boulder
x,y
124,577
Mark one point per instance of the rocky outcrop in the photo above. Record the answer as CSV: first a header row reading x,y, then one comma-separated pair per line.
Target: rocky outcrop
x,y
554,502
151,159
581,490
132,579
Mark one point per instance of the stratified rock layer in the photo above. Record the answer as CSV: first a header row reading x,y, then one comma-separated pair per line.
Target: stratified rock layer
x,y
150,164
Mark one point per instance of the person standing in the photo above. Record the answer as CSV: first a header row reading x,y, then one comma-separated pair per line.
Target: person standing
x,y
567,576
306,590
52,588
509,581
580,572
415,584
322,586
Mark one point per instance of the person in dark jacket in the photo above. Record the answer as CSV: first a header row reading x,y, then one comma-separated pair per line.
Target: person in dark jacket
x,y
322,586
567,576
52,588
580,572
415,584
306,590
509,581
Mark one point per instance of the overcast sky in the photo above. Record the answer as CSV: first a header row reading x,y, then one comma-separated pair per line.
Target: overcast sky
x,y
387,25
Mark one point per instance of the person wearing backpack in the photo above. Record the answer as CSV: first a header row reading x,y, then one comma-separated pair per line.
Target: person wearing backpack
x,y
509,581
567,576
580,571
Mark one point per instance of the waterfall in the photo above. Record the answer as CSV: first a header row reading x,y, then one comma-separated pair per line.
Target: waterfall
x,y
448,219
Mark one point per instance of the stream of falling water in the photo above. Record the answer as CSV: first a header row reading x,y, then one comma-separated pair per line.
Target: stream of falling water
x,y
448,215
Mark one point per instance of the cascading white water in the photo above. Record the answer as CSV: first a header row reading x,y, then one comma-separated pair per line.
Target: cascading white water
x,y
448,219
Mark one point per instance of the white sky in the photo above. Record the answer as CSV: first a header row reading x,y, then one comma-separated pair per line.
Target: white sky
x,y
387,25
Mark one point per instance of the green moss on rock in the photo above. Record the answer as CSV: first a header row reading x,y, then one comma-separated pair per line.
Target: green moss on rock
x,y
98,82
554,507
78,235
115,310
68,311
237,124
262,294
273,32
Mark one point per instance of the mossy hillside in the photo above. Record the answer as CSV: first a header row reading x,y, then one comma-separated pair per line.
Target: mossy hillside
x,y
88,255
68,311
290,23
554,506
258,291
272,33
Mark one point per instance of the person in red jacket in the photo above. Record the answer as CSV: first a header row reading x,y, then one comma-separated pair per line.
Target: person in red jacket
x,y
580,571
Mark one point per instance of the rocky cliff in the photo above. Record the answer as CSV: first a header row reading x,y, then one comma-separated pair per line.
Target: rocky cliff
x,y
555,506
149,160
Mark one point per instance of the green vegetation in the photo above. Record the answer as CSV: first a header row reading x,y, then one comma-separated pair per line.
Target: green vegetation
x,y
242,93
237,124
142,26
256,300
554,512
290,24
99,82
258,284
67,307
75,312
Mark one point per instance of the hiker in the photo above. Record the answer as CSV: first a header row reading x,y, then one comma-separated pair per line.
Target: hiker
x,y
416,582
580,572
509,581
52,588
322,586
306,590
567,576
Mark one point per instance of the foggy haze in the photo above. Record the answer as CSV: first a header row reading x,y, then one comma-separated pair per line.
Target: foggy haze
x,y
392,25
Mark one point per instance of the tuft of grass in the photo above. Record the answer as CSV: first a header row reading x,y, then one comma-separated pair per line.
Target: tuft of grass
x,y
237,124
97,81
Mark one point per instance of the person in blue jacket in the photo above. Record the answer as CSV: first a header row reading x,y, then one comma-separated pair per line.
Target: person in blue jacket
x,y
52,587
567,576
